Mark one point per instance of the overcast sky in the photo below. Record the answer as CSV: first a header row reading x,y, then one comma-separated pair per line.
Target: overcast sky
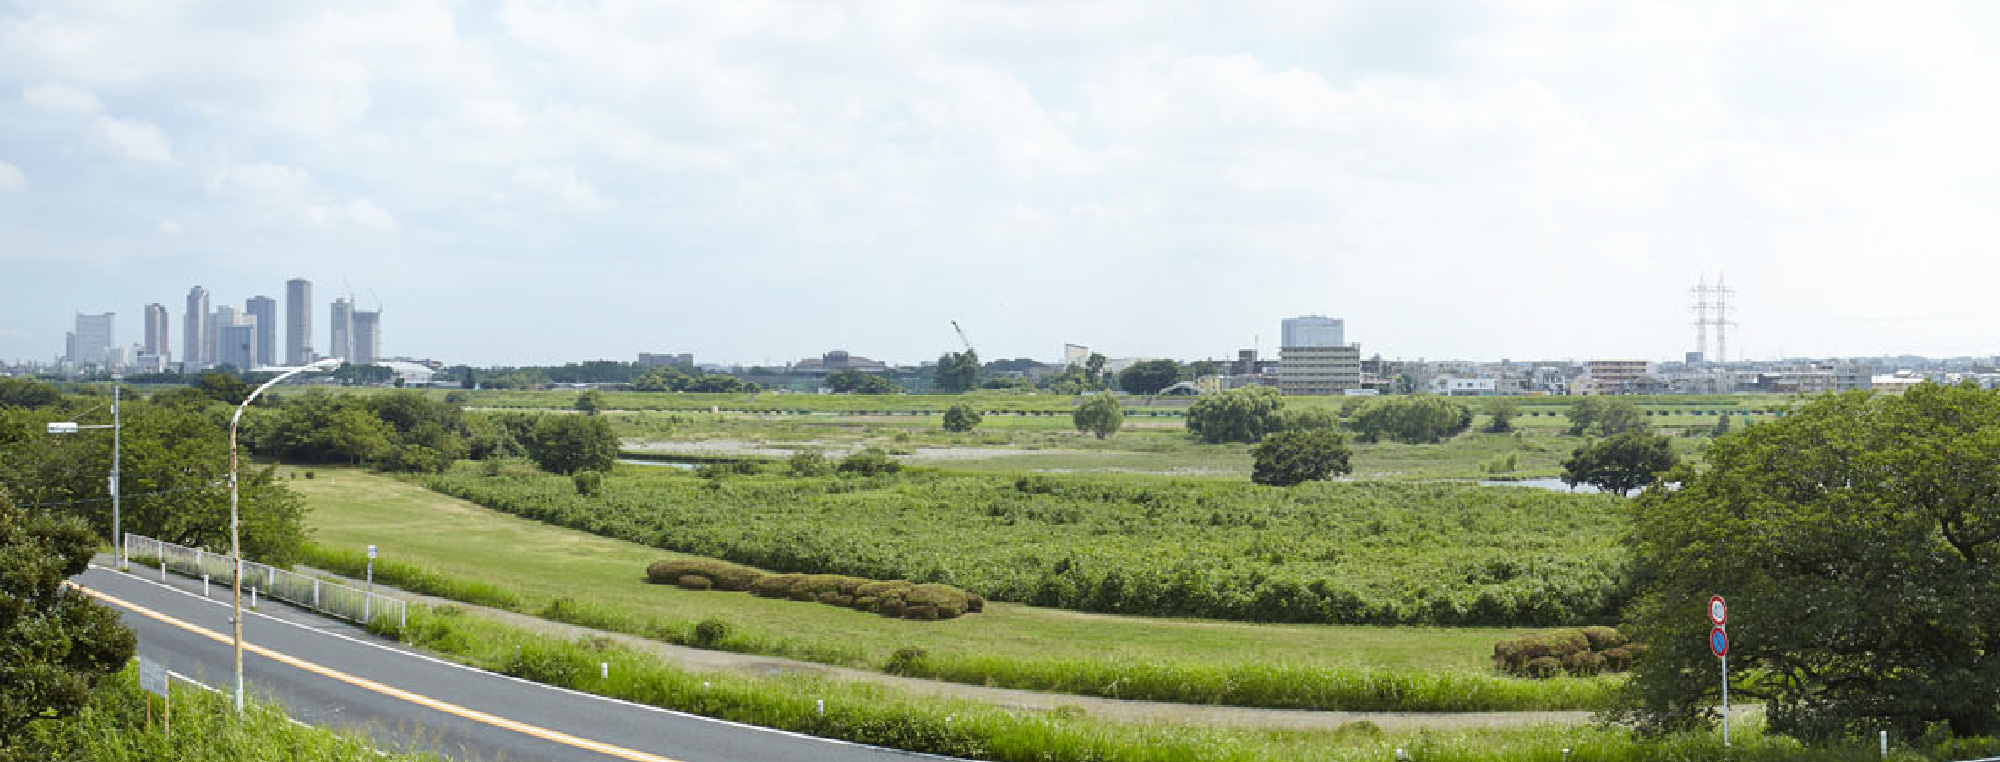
x,y
528,182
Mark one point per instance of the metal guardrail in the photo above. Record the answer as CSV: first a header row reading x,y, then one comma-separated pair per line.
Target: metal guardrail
x,y
319,595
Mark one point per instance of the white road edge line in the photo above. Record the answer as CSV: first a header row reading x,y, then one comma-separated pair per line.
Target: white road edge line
x,y
524,681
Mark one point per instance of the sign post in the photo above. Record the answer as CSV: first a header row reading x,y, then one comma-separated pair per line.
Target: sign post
x,y
1718,644
368,598
153,679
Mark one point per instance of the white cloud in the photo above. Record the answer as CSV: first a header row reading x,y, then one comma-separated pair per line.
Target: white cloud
x,y
561,185
357,213
169,228
11,179
133,139
61,98
262,181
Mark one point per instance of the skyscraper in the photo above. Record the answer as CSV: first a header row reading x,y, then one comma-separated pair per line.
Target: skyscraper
x,y
367,337
342,333
94,337
156,330
265,310
298,321
1315,358
238,343
194,330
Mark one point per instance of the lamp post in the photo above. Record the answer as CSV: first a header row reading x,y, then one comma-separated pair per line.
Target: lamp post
x,y
71,427
235,543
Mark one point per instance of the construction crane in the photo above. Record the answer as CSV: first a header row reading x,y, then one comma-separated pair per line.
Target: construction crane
x,y
962,339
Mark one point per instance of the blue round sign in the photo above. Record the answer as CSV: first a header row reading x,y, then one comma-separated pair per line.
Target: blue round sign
x,y
1718,642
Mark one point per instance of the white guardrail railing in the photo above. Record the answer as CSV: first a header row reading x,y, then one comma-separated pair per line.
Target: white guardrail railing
x,y
319,595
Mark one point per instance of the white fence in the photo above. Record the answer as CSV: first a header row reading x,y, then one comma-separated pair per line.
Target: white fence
x,y
327,597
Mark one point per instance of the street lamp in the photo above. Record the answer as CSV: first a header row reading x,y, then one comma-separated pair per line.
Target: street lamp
x,y
72,427
235,544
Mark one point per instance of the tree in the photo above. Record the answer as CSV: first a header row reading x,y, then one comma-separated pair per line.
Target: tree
x,y
1149,377
1426,419
223,387
1502,412
961,417
958,372
1290,457
1721,425
56,645
1203,368
1093,370
1621,462
1605,416
1863,534
27,393
589,402
1308,418
1237,415
566,444
1100,415
851,381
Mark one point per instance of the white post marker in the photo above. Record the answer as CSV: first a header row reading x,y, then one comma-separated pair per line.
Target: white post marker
x,y
368,599
1718,643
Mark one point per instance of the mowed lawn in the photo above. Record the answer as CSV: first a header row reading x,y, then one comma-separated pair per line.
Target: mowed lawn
x,y
353,508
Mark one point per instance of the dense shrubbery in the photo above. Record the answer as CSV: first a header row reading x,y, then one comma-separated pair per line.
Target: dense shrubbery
x,y
1581,653
1352,553
895,598
1425,419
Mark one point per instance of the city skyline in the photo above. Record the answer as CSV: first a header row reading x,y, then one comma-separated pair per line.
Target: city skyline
x,y
1464,179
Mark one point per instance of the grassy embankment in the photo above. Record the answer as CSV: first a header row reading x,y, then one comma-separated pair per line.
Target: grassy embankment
x,y
883,716
593,580
114,728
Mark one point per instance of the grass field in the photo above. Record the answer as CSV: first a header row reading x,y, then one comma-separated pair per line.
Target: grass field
x,y
1017,645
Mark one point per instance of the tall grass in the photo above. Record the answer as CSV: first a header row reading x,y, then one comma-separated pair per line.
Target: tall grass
x,y
882,716
113,727
408,576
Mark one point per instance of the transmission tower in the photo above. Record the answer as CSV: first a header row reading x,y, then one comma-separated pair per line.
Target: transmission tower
x,y
1711,310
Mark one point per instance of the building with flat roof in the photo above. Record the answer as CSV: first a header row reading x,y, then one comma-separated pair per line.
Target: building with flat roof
x,y
195,346
155,340
264,310
651,360
1319,370
238,344
1312,331
340,331
367,330
91,344
298,321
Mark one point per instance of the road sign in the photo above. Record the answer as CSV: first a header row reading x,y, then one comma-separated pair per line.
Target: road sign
x,y
153,676
1718,642
1718,612
371,551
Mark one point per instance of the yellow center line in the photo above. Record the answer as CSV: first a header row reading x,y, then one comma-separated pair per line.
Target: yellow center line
x,y
391,691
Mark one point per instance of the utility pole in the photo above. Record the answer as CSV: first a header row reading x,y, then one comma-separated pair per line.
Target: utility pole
x,y
117,437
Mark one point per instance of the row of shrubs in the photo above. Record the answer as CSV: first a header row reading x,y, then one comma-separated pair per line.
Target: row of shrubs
x,y
894,598
1579,652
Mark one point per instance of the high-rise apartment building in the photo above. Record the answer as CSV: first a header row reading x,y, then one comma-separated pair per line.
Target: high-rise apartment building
x,y
367,332
265,310
93,339
222,317
1312,331
341,334
156,331
238,344
298,321
1314,357
194,331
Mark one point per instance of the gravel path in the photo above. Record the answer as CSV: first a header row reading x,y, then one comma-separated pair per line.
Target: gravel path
x,y
1119,710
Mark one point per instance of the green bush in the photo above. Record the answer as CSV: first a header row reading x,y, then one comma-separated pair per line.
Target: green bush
x,y
694,582
808,463
869,462
1581,653
710,632
588,483
908,661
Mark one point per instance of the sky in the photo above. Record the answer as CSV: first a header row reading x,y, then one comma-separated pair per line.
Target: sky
x,y
760,181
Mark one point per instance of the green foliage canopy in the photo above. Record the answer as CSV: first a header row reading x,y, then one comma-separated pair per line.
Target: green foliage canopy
x,y
1149,377
1604,416
1236,415
1100,415
1293,457
1856,540
566,444
961,417
958,372
56,645
1424,419
1620,463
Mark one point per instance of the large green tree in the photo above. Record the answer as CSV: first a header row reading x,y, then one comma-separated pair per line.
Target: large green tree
x,y
1858,543
566,444
1149,377
1292,457
961,417
958,372
1237,415
1100,415
1604,415
1620,463
56,645
1423,419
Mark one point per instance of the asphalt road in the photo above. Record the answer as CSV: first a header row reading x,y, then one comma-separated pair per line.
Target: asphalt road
x,y
333,674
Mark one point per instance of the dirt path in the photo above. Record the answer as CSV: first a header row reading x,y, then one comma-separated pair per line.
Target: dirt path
x,y
1119,710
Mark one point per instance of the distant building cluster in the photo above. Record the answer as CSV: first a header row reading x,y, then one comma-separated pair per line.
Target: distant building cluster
x,y
219,335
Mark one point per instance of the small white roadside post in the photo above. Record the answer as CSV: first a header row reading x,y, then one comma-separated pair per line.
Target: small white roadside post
x,y
368,599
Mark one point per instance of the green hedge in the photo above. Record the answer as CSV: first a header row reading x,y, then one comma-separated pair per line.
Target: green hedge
x,y
901,598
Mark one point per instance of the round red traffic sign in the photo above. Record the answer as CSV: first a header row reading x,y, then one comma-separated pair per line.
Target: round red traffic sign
x,y
1718,642
1718,612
